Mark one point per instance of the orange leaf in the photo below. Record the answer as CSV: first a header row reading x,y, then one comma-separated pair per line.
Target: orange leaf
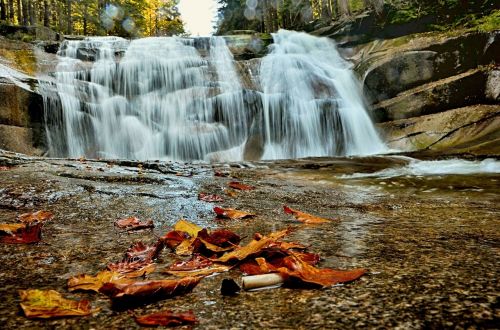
x,y
20,233
240,186
231,213
133,292
231,193
209,198
133,223
39,216
49,303
304,217
253,247
297,269
173,238
196,266
188,227
92,283
166,318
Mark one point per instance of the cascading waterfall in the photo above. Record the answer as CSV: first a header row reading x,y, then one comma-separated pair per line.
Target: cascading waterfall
x,y
168,98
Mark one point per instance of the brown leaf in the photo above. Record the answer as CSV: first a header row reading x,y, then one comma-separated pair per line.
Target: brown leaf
x,y
142,252
49,303
92,283
220,237
133,223
196,262
124,292
20,233
39,216
304,217
173,238
270,259
240,186
297,269
253,247
231,193
166,318
210,198
132,269
232,213
221,174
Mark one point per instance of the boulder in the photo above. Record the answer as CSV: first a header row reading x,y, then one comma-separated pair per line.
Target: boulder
x,y
493,86
473,128
449,93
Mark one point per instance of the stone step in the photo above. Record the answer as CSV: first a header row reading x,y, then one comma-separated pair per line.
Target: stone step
x,y
465,129
453,92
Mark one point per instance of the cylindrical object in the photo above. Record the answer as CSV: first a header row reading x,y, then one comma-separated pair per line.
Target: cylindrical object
x,y
260,281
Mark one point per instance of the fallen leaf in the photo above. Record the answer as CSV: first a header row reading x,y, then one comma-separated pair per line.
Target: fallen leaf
x,y
270,259
142,252
20,233
133,223
39,216
4,168
190,228
132,269
240,186
297,269
196,266
210,198
220,237
92,283
231,193
221,174
253,247
232,213
166,318
173,238
49,303
126,292
216,268
186,247
304,217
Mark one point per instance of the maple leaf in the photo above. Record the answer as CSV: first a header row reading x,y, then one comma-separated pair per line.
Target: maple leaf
x,y
240,186
253,247
297,269
20,233
125,292
49,303
210,198
39,216
166,318
305,217
133,223
232,213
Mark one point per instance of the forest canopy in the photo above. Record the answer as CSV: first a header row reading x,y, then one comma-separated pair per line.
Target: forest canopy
x,y
96,17
271,15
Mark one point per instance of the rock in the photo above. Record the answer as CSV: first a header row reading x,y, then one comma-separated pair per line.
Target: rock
x,y
493,86
391,67
20,139
474,128
29,32
453,92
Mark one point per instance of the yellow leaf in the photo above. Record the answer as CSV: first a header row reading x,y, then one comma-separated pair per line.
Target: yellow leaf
x,y
187,227
49,303
92,283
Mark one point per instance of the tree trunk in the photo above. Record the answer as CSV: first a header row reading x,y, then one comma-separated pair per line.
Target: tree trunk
x,y
326,13
69,29
3,8
85,18
46,13
19,13
11,11
344,8
25,11
31,12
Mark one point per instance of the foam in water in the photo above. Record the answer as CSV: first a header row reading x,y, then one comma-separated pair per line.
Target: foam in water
x,y
165,98
435,167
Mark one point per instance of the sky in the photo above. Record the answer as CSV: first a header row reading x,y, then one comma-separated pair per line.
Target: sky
x,y
198,16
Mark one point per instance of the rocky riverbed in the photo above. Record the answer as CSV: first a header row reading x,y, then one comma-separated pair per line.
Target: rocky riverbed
x,y
430,242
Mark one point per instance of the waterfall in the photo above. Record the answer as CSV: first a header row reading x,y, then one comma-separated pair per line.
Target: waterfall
x,y
183,99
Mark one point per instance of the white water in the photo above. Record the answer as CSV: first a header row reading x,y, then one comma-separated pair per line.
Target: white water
x,y
435,167
166,99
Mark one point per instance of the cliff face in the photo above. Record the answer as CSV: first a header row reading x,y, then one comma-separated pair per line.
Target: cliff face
x,y
430,91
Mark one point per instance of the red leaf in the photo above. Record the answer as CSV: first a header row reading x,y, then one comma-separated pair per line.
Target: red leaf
x,y
240,186
39,216
173,238
210,198
138,256
304,217
5,168
133,223
129,292
220,237
21,233
196,262
167,318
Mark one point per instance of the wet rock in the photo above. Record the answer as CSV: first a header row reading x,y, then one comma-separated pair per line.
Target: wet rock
x,y
453,92
493,86
470,129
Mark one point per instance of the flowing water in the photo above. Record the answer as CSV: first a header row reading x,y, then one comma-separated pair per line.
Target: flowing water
x,y
182,99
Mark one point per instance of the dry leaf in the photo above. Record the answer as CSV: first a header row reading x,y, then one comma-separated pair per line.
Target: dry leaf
x,y
232,213
304,217
5,168
49,303
142,252
166,318
297,269
190,228
133,223
210,198
220,237
231,193
20,233
240,186
125,291
253,247
173,238
39,216
92,283
270,259
196,266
